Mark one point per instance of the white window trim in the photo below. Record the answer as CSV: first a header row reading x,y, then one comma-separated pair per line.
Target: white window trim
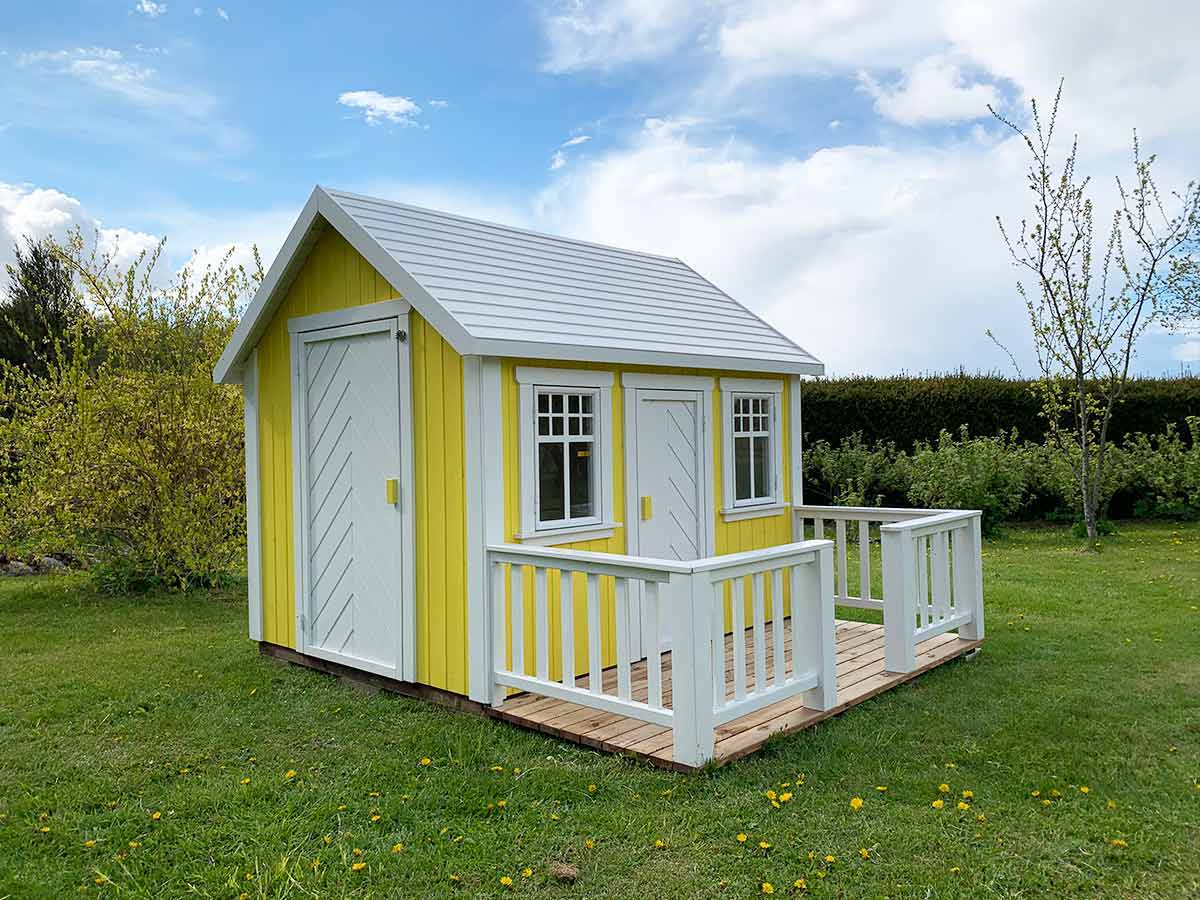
x,y
732,510
529,380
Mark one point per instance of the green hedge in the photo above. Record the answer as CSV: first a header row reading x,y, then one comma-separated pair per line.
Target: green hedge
x,y
907,409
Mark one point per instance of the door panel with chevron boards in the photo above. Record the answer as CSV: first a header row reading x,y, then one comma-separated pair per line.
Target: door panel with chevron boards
x,y
350,448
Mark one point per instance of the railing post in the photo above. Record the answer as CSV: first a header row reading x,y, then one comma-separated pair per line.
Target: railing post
x,y
899,599
814,613
968,578
691,612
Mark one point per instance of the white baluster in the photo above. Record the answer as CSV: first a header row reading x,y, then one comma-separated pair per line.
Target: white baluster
x,y
541,600
622,607
843,589
941,575
650,631
499,632
595,676
777,626
518,620
738,608
718,642
864,559
760,636
566,593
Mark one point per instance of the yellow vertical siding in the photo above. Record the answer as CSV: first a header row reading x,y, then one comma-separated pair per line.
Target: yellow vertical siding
x,y
729,537
335,277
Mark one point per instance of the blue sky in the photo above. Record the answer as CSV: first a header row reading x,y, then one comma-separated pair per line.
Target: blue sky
x,y
830,163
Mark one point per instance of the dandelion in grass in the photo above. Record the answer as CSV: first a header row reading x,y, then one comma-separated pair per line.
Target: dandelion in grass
x,y
45,829
289,774
497,768
741,838
864,852
101,879
768,888
527,872
954,870
785,796
397,848
856,803
1045,803
1112,804
501,803
882,788
506,881
800,884
1119,843
244,781
764,845
328,839
1055,792
830,858
89,844
589,844
342,807
1084,789
943,788
156,815
316,864
1035,793
591,789
357,851
455,879
963,806
358,866
968,795
425,760
981,819
659,844
938,803
375,817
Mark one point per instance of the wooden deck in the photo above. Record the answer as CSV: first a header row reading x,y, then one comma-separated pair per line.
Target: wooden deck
x,y
860,676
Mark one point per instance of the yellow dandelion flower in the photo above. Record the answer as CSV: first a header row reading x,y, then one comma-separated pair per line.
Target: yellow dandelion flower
x,y
329,839
963,806
938,804
881,788
1118,842
101,879
981,818
289,774
741,838
1035,793
245,781
554,817
589,844
342,808
800,884
497,768
1045,803
527,872
1084,789
944,788
506,881
1055,792
954,870
357,851
455,878
502,803
764,845
771,795
1112,804
45,829
659,844
376,817
373,794
425,760
358,866
768,888
516,770
397,848
864,852
591,789
133,845
785,796
856,803
829,858
968,795
89,844
156,815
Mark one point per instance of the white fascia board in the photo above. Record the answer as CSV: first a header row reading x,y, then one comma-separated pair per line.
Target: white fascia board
x,y
229,367
588,353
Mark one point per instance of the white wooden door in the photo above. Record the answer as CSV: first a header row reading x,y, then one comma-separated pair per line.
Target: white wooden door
x,y
669,485
348,380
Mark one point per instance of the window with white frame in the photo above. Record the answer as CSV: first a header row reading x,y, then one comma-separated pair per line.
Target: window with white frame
x,y
566,458
753,452
566,453
752,455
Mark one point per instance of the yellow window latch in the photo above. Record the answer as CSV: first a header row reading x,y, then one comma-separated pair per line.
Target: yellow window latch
x,y
393,490
647,509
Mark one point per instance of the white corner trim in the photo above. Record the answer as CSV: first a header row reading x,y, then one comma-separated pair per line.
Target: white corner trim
x,y
253,497
351,315
752,385
564,377
408,532
479,651
737,513
795,422
666,382
552,537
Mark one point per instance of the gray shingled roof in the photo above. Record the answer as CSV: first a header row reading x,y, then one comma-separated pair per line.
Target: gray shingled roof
x,y
501,290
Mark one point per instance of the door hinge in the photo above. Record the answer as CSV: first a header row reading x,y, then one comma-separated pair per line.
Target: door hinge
x,y
401,335
303,624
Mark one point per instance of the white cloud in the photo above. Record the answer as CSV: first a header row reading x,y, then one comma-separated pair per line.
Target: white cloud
x,y
610,33
577,140
835,124
378,108
150,9
557,160
224,15
933,89
438,104
197,10
26,211
1187,351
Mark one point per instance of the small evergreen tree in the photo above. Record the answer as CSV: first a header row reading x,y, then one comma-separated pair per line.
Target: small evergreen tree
x,y
39,308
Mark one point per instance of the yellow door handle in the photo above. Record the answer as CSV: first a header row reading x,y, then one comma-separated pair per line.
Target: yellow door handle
x,y
647,509
392,486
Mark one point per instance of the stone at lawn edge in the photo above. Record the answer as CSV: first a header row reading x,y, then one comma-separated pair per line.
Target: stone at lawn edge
x,y
48,564
16,567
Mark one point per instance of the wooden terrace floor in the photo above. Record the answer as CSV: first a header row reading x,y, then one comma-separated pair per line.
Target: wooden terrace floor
x,y
860,673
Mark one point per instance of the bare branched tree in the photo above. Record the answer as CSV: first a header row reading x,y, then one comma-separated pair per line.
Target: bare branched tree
x,y
1088,313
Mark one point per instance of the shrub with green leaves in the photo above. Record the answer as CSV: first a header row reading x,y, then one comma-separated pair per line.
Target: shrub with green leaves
x,y
969,473
1168,472
124,450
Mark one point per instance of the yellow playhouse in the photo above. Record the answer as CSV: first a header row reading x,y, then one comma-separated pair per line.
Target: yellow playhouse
x,y
444,415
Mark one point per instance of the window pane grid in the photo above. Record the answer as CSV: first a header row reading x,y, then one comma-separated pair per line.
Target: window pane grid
x,y
567,475
752,446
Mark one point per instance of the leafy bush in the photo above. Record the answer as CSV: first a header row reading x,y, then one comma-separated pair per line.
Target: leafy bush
x,y
1168,470
855,474
125,450
970,473
905,409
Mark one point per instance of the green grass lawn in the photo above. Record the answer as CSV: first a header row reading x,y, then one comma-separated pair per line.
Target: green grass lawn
x,y
147,750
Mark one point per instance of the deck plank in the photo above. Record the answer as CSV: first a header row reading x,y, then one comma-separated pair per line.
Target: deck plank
x,y
861,675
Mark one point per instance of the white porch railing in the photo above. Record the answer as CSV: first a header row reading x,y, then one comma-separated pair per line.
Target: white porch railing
x,y
932,571
700,601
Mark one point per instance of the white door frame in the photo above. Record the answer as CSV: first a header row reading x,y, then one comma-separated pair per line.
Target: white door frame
x,y
680,387
390,315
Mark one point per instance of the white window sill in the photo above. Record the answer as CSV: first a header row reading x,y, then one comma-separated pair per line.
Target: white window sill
x,y
737,513
549,537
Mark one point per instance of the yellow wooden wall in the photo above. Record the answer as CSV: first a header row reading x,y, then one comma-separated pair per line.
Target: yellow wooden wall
x,y
334,277
729,537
